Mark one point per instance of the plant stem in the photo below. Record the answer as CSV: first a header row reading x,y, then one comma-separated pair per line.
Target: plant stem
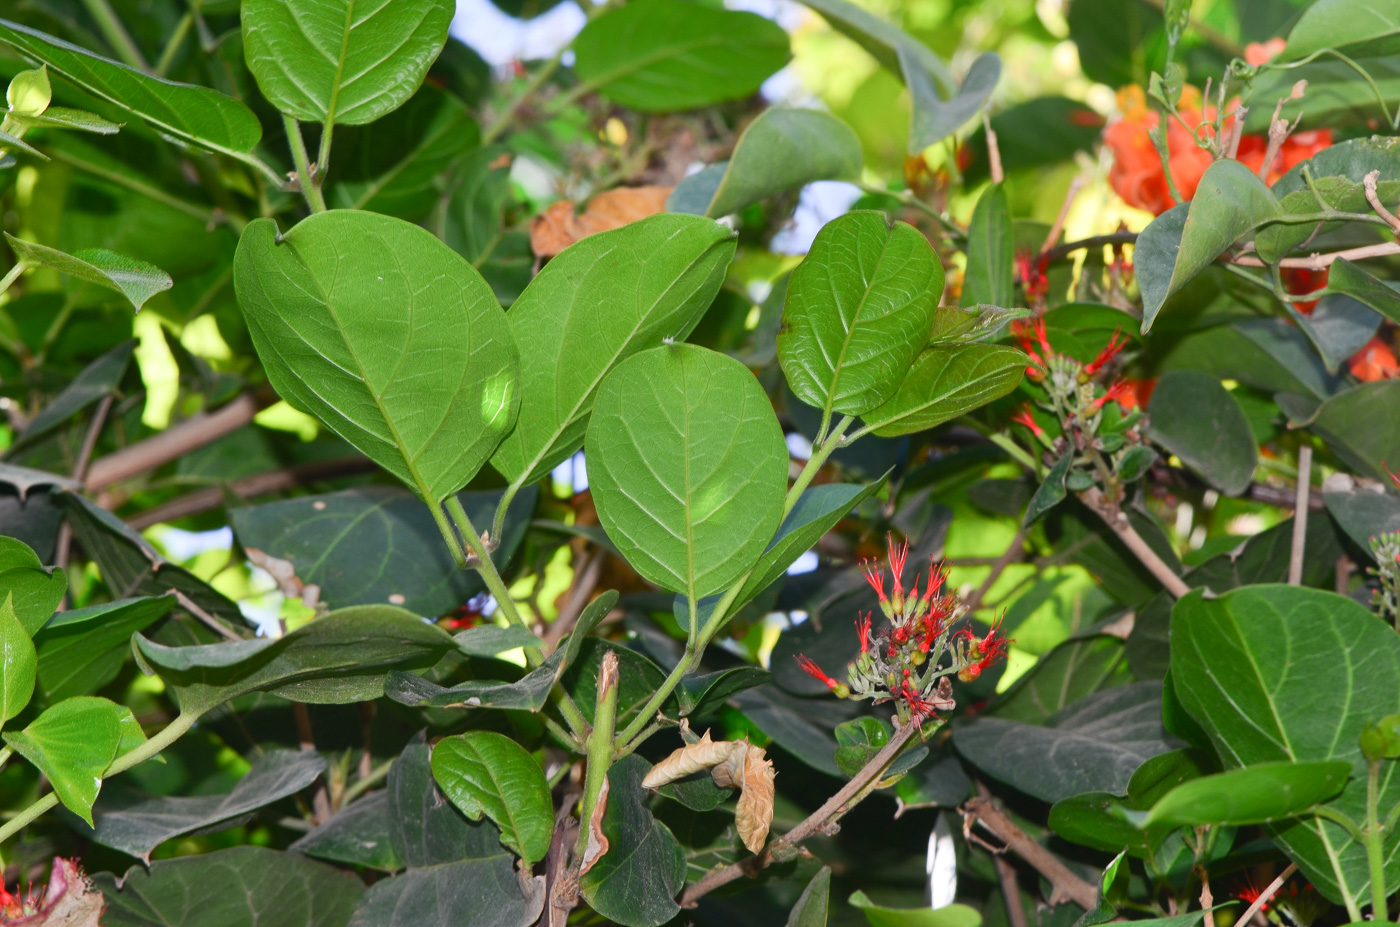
x,y
600,747
487,568
1117,521
1300,517
1375,842
360,786
9,279
538,80
305,178
445,527
177,38
115,33
498,524
323,155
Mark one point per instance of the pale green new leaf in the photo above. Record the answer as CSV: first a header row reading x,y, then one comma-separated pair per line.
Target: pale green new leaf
x,y
136,280
385,334
946,382
342,61
483,772
597,303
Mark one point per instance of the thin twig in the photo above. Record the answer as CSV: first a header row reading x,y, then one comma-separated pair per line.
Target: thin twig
x,y
1300,517
1207,899
993,151
80,468
1006,875
1064,884
1117,521
1014,552
320,799
833,808
1266,894
1236,130
173,443
204,617
1323,261
1097,241
1071,195
1368,183
1283,498
1342,575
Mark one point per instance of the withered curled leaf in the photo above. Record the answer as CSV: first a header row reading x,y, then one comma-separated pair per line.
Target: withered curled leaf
x,y
692,758
731,764
755,812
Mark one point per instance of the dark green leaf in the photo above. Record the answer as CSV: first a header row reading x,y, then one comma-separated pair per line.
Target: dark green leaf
x,y
785,148
1051,491
638,680
96,380
1362,425
945,383
1195,417
1074,670
1338,327
991,249
1363,515
528,693
358,834
1135,463
934,118
1356,27
83,649
1349,279
483,772
810,909
702,695
73,743
1155,255
487,640
1262,793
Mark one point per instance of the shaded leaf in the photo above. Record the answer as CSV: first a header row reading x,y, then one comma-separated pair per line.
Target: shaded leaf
x,y
358,834
934,118
953,915
83,649
1195,417
528,693
785,148
1262,793
810,910
991,250
96,380
1051,491
945,383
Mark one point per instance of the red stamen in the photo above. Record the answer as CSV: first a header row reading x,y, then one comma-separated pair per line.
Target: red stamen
x,y
1118,392
1107,354
863,629
875,575
1024,417
815,671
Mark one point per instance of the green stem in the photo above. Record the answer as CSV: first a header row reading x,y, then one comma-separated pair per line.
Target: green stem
x,y
909,199
600,747
5,754
116,35
305,178
376,775
9,279
537,80
1375,843
567,740
445,527
323,156
498,524
485,566
177,38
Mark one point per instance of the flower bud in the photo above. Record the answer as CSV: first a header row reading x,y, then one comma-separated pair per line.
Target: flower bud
x,y
970,672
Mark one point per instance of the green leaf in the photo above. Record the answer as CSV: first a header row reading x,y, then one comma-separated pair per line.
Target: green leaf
x,y
33,590
61,117
687,466
811,907
934,118
1136,461
490,639
1346,277
1361,425
1290,639
703,695
661,56
17,662
1263,793
338,61
194,115
358,834
83,649
599,302
378,544
72,742
432,133
946,382
1074,670
136,280
1155,255
785,148
859,309
816,512
1051,491
1381,740
483,772
529,693
479,193
953,915
588,619
338,658
96,380
638,680
386,335
1093,819
991,250
136,823
231,888
1229,202
1039,132
1356,27
1194,417
1363,515
644,869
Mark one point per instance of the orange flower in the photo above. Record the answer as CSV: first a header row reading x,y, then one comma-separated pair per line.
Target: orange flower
x,y
1137,394
1376,361
1300,280
1296,149
1137,174
1257,53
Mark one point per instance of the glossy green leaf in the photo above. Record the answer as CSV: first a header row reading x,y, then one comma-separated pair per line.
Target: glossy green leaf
x,y
378,544
947,382
669,55
61,117
953,915
34,591
1229,202
487,640
1321,668
72,742
194,115
83,649
1154,260
1356,27
1051,491
597,303
858,311
810,909
17,662
340,657
1363,515
96,380
1093,819
357,834
386,335
635,882
1262,793
136,280
688,467
235,887
483,772
338,61
785,148
991,250
817,511
1194,417
529,693
703,695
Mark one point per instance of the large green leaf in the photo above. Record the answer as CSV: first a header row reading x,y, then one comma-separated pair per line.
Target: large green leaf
x,y
231,888
1263,793
340,657
688,467
1357,27
1362,425
1284,673
83,649
529,693
34,591
342,61
785,148
597,303
136,823
635,882
1195,417
386,335
17,662
378,544
483,772
946,382
859,309
1351,279
136,280
96,380
935,117
1362,514
73,743
953,915
195,115
1154,260
668,55
990,277
357,834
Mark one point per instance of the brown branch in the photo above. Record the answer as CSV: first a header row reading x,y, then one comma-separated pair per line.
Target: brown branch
x,y
1118,523
1207,899
833,808
1283,498
1006,875
585,581
1323,261
1097,241
204,617
173,443
1368,183
1064,884
65,531
259,484
320,798
1013,553
1071,194
1300,517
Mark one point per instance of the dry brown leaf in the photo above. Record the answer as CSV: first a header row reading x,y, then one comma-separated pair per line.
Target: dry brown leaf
x,y
691,759
559,226
69,900
597,841
755,812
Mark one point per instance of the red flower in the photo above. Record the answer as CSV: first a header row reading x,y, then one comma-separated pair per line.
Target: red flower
x,y
815,671
1120,392
1107,354
1394,477
1024,417
1375,361
898,554
987,650
863,629
1300,281
1250,893
1032,274
1031,334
